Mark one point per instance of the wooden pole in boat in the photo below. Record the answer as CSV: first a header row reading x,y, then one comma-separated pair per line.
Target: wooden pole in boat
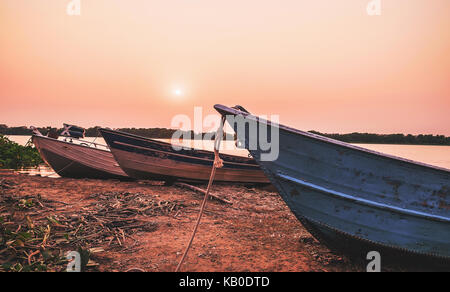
x,y
218,163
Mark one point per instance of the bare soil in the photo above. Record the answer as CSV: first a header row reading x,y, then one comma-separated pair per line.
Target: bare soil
x,y
257,233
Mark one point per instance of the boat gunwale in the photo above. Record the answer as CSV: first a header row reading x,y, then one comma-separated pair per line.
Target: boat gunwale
x,y
223,155
224,109
183,155
72,144
365,202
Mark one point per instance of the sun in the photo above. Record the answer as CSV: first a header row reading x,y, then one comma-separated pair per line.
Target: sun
x,y
178,92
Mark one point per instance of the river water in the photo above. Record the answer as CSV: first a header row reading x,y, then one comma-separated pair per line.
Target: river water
x,y
434,155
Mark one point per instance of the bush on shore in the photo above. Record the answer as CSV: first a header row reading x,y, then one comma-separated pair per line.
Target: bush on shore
x,y
15,156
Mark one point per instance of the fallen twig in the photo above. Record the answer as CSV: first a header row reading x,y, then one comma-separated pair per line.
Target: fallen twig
x,y
31,255
202,191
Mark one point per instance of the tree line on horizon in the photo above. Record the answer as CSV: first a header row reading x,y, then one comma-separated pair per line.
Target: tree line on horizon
x,y
369,138
164,133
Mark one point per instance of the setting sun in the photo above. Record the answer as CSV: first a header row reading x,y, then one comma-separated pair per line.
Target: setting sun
x,y
178,92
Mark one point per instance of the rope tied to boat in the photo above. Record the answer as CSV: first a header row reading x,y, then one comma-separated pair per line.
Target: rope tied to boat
x,y
218,163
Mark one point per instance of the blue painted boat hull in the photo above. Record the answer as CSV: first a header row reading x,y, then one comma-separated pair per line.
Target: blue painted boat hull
x,y
342,191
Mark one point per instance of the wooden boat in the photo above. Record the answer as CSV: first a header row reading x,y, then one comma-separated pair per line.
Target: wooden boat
x,y
78,160
145,158
357,200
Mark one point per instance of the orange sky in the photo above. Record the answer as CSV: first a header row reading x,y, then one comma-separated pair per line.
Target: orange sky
x,y
322,65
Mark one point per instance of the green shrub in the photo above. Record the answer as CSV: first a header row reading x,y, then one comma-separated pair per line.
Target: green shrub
x,y
15,156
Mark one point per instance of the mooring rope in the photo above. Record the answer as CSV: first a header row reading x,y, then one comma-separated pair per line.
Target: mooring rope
x,y
58,171
218,163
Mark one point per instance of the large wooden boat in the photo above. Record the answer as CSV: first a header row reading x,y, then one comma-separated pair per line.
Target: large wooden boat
x,y
78,160
145,158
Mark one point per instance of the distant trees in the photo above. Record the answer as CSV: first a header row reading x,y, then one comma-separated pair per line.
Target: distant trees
x,y
368,138
161,133
24,131
164,133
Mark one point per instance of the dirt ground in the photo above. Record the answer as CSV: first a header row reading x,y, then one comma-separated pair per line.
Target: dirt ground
x,y
257,233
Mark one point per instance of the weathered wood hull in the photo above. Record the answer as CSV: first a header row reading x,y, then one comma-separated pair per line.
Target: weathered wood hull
x,y
371,199
144,158
77,161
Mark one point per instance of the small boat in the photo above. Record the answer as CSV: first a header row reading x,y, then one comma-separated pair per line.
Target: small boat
x,y
144,158
76,158
353,199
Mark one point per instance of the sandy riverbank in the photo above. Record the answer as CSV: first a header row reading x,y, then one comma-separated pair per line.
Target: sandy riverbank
x,y
256,233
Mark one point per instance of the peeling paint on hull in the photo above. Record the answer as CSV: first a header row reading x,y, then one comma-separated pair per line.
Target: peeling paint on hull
x,y
366,196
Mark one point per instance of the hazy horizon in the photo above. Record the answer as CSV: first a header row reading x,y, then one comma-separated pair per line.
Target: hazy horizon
x,y
320,65
228,130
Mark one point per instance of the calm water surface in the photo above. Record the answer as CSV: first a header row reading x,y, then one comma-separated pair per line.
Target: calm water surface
x,y
434,155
